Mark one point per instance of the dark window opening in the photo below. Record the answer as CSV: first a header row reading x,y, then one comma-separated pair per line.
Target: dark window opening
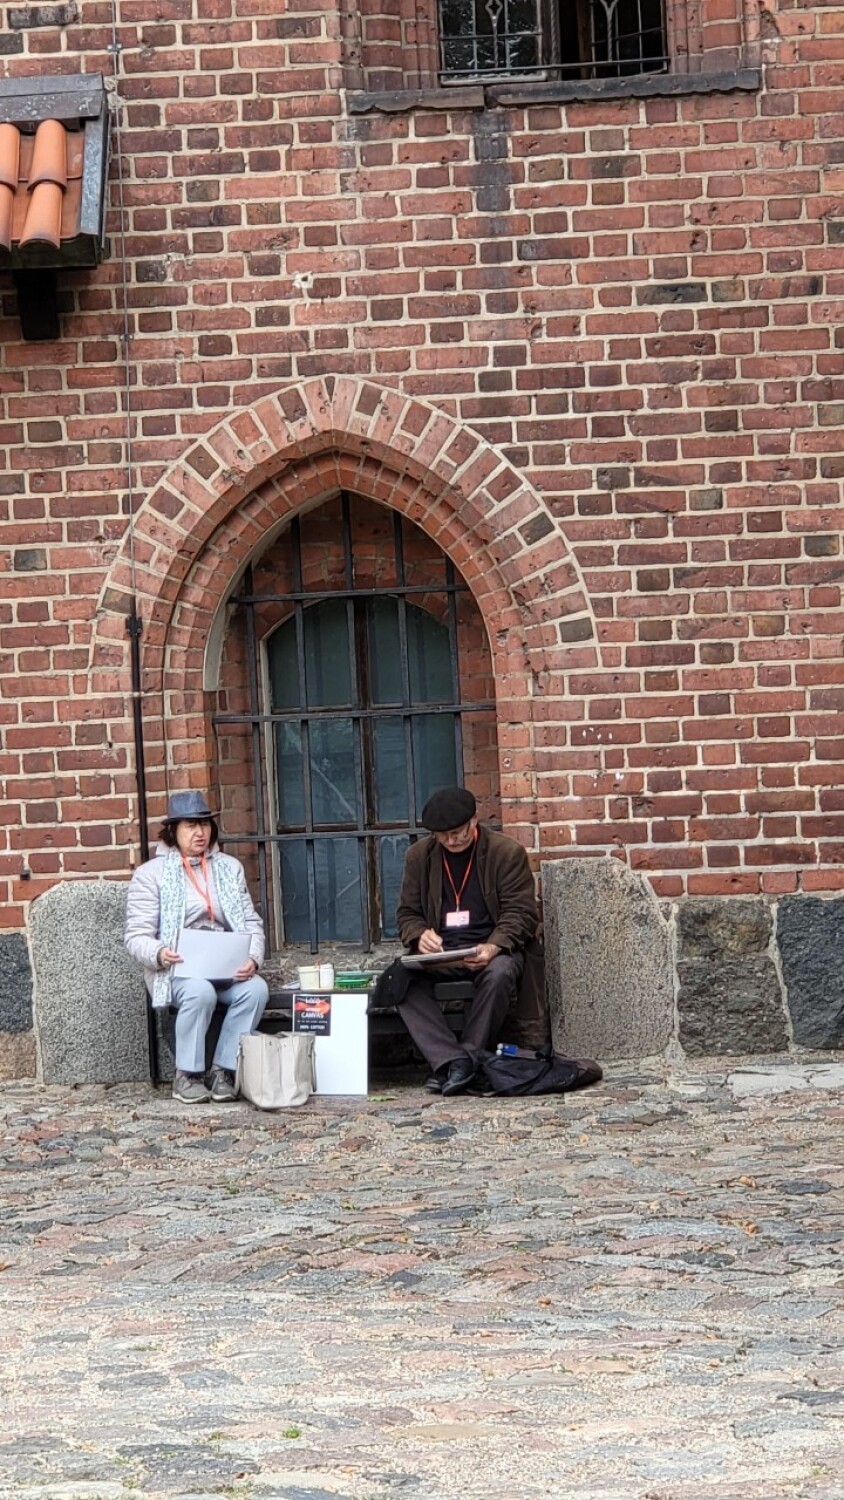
x,y
551,38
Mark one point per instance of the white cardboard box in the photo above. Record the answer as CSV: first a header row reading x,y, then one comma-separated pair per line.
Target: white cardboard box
x,y
342,1058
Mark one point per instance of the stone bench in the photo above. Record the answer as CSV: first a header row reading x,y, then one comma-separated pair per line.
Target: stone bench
x,y
278,1017
91,1010
628,976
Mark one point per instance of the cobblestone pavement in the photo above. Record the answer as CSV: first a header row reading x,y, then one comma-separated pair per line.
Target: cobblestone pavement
x,y
634,1293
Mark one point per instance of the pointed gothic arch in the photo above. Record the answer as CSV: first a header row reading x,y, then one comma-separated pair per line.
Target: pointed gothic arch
x,y
234,489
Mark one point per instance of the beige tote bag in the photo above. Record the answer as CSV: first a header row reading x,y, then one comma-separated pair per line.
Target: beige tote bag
x,y
275,1071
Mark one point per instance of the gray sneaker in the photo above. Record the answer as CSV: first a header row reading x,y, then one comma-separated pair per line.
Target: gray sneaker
x,y
189,1088
223,1090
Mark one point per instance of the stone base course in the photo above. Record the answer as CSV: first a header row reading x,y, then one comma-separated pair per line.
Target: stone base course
x,y
15,983
810,936
729,1007
729,998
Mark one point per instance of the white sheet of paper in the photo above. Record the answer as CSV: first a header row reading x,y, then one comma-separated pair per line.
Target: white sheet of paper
x,y
210,955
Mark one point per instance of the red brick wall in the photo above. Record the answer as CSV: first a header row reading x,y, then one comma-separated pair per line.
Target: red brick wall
x,y
592,349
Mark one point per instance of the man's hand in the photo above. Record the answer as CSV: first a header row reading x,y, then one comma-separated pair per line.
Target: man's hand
x,y
247,970
484,954
430,941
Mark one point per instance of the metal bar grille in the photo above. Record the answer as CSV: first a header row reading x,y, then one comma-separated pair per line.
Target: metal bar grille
x,y
452,646
398,546
257,762
311,596
551,38
293,716
357,666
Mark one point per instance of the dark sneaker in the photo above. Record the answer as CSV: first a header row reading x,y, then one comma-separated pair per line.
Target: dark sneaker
x,y
189,1088
223,1090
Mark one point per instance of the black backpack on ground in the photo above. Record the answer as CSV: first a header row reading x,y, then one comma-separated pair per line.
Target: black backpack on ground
x,y
534,1072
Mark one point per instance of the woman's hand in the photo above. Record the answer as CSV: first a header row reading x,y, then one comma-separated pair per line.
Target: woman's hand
x,y
167,957
247,971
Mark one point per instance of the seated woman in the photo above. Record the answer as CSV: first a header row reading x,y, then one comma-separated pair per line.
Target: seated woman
x,y
190,883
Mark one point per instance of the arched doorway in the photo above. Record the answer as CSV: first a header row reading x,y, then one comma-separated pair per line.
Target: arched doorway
x,y
355,678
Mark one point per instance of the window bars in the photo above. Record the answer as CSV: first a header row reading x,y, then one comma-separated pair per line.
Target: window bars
x,y
362,721
550,38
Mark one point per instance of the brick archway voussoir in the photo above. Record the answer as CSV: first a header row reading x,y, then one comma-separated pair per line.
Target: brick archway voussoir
x,y
438,472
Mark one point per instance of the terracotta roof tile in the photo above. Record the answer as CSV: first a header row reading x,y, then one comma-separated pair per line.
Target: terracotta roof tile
x,y
46,204
10,151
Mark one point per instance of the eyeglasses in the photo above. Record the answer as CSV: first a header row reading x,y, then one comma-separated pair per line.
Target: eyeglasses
x,y
456,835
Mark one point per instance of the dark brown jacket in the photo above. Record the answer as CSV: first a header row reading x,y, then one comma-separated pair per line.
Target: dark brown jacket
x,y
508,890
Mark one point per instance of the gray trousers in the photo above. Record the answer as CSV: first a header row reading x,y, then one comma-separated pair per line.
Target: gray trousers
x,y
495,989
244,1001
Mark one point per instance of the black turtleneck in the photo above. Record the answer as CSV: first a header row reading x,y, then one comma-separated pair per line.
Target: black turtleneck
x,y
480,922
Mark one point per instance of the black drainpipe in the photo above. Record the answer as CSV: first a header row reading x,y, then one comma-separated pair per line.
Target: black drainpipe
x,y
134,629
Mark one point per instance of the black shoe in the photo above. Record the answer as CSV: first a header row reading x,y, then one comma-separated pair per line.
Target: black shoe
x,y
434,1084
460,1075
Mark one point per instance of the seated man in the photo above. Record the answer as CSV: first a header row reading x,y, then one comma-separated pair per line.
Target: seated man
x,y
464,886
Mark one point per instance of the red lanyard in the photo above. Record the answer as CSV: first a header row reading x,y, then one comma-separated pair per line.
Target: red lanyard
x,y
206,893
468,871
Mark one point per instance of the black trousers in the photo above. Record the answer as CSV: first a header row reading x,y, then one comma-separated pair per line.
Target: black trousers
x,y
495,989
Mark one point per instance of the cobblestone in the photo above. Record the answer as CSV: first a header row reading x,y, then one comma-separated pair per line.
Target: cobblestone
x,y
633,1293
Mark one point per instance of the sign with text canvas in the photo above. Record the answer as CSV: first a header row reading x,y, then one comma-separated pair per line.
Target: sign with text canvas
x,y
312,1014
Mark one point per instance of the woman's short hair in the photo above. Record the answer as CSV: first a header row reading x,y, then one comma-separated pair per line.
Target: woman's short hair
x,y
167,834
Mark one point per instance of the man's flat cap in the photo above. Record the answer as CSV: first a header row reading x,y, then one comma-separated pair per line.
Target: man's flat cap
x,y
448,808
188,805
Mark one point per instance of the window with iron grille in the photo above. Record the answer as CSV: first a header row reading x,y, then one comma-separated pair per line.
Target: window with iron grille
x,y
366,726
551,39
370,688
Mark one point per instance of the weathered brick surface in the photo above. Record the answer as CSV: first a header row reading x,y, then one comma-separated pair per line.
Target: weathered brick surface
x,y
592,349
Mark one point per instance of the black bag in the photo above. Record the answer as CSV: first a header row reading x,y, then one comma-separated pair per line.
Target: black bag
x,y
540,1072
390,988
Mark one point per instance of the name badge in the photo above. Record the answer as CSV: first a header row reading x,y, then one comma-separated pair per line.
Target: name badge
x,y
457,919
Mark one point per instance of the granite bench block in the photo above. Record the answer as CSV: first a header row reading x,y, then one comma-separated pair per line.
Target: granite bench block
x,y
608,960
810,938
90,998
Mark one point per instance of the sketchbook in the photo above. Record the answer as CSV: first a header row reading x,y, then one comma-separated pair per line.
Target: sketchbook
x,y
446,956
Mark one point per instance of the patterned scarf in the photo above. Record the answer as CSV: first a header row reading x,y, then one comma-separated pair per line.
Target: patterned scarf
x,y
172,912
